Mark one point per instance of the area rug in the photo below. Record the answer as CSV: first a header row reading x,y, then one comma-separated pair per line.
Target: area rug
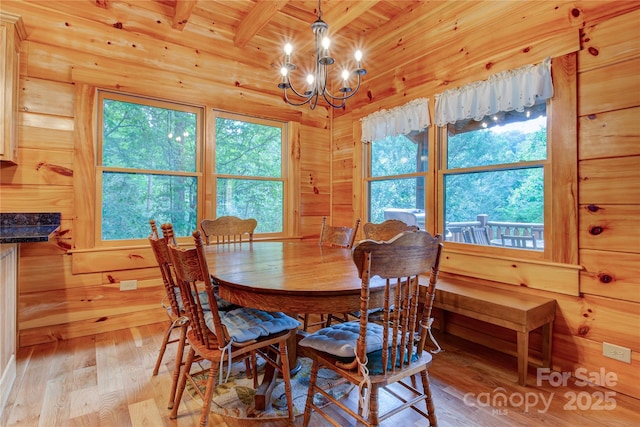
x,y
235,398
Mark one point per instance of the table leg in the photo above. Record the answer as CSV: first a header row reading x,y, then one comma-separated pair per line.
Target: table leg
x,y
263,393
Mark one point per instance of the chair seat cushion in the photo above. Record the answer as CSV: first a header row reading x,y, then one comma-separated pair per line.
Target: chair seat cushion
x,y
246,324
223,305
374,360
340,339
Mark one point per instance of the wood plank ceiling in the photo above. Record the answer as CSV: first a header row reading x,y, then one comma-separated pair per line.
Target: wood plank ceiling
x,y
249,33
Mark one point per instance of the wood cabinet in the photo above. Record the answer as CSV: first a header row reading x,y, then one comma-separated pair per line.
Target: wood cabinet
x,y
12,33
8,315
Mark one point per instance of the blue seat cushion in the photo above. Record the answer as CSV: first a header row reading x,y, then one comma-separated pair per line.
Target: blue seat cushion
x,y
223,305
246,324
340,339
374,361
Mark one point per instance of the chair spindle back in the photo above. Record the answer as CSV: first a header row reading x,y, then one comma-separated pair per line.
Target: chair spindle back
x,y
399,262
192,273
336,236
386,230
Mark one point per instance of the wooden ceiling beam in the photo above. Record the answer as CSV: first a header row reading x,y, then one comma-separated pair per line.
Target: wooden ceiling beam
x,y
338,17
182,13
257,18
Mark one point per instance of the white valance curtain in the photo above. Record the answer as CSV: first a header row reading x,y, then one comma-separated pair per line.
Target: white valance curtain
x,y
506,91
412,116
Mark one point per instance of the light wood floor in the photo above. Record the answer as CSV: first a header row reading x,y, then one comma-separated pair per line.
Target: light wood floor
x,y
105,380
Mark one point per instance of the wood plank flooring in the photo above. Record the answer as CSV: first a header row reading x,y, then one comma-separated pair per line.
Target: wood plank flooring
x,y
105,380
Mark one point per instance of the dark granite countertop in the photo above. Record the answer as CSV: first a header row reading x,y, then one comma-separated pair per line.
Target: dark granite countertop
x,y
27,227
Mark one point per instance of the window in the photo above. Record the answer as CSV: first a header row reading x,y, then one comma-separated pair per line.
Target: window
x,y
493,156
493,179
396,162
148,166
250,170
395,178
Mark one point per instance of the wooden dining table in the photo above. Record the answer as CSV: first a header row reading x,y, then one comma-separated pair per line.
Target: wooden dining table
x,y
297,276
292,276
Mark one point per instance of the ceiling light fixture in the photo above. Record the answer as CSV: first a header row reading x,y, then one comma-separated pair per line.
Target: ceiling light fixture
x,y
317,82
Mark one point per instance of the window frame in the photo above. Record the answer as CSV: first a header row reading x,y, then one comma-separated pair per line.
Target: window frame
x,y
561,179
100,168
368,178
443,171
286,170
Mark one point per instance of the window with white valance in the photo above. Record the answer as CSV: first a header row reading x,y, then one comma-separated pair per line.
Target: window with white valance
x,y
412,116
506,91
396,162
494,169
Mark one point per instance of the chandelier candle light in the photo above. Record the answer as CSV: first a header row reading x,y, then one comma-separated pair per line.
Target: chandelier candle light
x,y
317,82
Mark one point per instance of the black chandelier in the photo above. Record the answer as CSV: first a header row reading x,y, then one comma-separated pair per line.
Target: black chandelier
x,y
317,82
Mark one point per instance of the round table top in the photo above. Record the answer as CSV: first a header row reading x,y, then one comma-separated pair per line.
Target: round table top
x,y
289,276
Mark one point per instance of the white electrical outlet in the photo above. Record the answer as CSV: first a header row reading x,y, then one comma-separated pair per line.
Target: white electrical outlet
x,y
128,285
613,351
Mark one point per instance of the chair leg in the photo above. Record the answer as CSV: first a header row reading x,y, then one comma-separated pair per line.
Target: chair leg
x,y
310,393
254,363
305,322
374,406
176,369
286,376
183,383
431,411
330,317
208,394
163,348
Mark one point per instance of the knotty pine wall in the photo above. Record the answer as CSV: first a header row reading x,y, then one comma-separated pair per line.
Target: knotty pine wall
x,y
69,287
607,198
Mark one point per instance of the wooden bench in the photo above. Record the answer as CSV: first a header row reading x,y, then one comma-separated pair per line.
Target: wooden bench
x,y
509,309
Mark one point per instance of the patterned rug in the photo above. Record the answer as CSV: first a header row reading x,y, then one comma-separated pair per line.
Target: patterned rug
x,y
236,397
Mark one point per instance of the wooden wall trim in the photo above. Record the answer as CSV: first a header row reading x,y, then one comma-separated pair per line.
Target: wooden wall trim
x,y
533,274
561,197
96,261
84,176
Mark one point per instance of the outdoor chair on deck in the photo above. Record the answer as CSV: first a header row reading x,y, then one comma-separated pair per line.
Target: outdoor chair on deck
x,y
477,235
228,229
524,242
334,237
376,356
220,337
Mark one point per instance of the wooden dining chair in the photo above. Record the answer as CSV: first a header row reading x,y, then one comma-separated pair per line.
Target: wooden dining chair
x,y
334,237
386,229
228,229
220,337
374,356
338,236
172,304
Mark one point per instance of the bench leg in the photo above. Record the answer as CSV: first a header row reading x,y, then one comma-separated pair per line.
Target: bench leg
x,y
523,357
547,334
443,321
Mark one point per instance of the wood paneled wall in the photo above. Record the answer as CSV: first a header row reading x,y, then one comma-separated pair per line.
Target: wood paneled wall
x,y
607,307
68,286
64,59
